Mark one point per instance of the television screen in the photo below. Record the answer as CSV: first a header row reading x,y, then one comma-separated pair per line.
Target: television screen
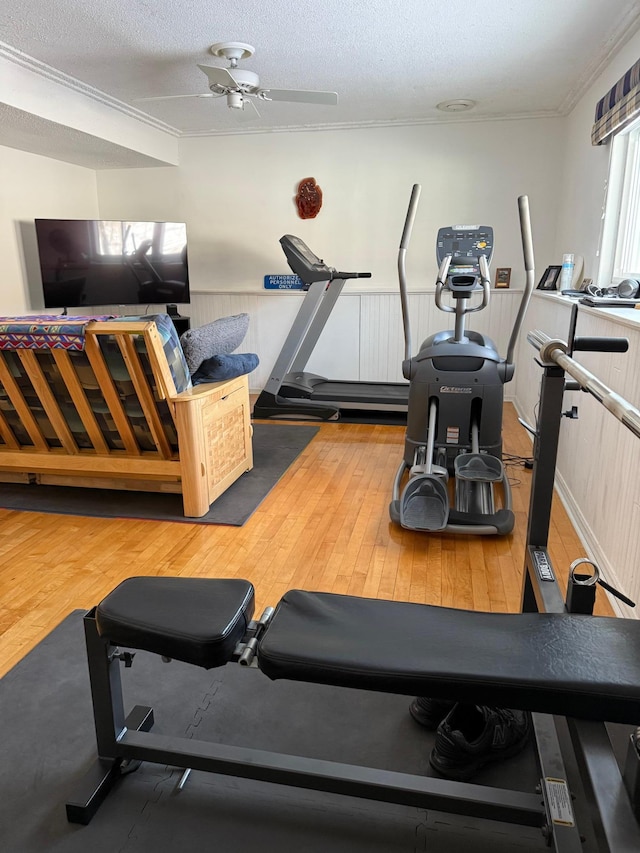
x,y
103,262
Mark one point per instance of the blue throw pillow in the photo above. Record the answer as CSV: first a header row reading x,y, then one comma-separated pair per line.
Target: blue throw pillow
x,y
220,367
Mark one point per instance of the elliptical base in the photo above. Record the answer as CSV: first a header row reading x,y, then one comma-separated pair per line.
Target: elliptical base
x,y
423,516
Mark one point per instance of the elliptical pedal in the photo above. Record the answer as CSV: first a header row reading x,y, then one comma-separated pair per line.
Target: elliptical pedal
x,y
478,468
424,504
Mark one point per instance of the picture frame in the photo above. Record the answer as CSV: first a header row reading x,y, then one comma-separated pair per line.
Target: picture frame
x,y
503,277
549,278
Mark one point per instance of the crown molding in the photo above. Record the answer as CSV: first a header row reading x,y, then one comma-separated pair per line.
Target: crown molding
x,y
52,74
625,29
365,125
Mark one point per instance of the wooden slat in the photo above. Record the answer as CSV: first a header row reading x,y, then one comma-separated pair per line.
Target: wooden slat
x,y
145,395
118,327
86,461
7,434
159,364
119,484
80,401
50,405
19,404
110,394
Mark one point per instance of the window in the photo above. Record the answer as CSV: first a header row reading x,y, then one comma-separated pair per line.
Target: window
x,y
118,238
627,255
620,252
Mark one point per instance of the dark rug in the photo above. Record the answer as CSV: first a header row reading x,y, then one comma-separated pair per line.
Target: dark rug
x,y
48,744
275,447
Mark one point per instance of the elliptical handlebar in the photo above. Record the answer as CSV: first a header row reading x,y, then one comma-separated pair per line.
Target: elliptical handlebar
x,y
460,307
530,274
402,275
529,265
440,282
525,228
485,281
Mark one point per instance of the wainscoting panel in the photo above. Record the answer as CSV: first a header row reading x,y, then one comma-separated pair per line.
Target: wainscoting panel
x,y
364,338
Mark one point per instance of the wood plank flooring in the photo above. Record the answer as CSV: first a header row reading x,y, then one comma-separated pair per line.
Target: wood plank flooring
x,y
325,526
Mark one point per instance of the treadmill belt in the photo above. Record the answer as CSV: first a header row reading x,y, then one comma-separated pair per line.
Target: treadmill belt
x,y
361,395
371,416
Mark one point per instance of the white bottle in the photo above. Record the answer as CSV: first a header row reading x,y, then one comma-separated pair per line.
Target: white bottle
x,y
566,274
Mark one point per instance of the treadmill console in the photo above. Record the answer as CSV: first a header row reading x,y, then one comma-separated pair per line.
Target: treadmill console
x,y
303,262
465,244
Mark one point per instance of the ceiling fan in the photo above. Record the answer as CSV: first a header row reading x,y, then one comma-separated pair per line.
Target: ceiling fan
x,y
240,86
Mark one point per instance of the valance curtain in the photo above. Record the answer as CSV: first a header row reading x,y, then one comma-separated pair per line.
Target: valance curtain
x,y
619,107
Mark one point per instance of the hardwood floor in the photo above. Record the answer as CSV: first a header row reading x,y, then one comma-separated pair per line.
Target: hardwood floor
x,y
325,526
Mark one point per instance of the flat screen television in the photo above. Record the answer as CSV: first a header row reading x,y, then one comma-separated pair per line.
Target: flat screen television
x,y
86,262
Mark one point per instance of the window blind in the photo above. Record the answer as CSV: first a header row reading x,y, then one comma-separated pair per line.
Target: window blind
x,y
619,107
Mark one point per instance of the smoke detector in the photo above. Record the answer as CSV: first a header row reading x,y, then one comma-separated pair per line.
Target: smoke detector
x,y
458,105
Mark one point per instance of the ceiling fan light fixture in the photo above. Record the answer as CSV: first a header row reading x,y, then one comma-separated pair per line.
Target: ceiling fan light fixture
x,y
458,105
235,101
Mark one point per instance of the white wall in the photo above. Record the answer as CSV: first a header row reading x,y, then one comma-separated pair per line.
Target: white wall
x,y
35,187
237,196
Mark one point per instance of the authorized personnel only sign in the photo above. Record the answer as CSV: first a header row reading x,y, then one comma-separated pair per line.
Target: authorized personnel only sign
x,y
283,282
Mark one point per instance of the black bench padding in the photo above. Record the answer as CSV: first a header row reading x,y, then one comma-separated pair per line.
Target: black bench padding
x,y
568,664
196,620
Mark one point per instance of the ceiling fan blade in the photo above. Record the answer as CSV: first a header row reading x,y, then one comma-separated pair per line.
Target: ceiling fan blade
x,y
175,97
300,96
243,116
254,110
218,76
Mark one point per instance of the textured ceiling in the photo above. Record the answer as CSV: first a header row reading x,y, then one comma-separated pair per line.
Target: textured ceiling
x,y
389,63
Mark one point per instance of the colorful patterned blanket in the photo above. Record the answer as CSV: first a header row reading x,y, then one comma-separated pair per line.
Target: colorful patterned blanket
x,y
45,331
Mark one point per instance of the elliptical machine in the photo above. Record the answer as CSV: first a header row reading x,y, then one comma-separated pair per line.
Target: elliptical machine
x,y
454,418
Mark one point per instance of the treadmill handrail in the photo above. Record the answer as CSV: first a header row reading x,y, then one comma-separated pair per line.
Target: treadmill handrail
x,y
345,275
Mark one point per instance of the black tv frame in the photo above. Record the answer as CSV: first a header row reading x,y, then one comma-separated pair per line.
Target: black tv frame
x,y
76,272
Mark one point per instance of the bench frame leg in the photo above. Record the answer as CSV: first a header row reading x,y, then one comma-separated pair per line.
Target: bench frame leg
x,y
110,724
122,739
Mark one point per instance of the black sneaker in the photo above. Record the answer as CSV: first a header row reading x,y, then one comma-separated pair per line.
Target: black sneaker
x,y
430,712
471,736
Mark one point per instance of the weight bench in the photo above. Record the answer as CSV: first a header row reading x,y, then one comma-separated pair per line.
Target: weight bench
x,y
546,663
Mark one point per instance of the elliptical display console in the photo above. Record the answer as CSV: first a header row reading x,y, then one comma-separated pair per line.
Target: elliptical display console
x,y
464,244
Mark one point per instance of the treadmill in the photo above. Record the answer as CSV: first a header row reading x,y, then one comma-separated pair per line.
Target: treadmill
x,y
291,392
